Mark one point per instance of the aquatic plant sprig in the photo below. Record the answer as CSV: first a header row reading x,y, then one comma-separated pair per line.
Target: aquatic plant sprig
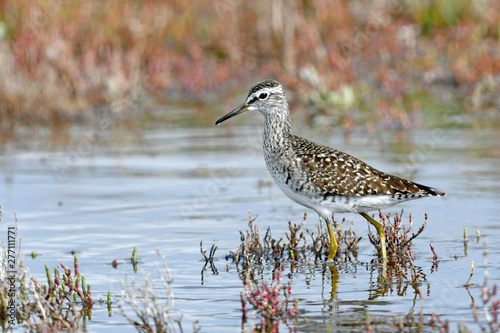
x,y
108,302
400,268
133,259
153,307
54,305
398,238
254,250
211,254
251,250
490,307
294,238
469,282
208,260
271,301
69,286
346,239
435,259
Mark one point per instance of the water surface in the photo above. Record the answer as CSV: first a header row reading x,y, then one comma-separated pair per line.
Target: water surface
x,y
101,191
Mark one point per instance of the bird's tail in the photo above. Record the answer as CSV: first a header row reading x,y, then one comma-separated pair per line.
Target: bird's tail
x,y
431,191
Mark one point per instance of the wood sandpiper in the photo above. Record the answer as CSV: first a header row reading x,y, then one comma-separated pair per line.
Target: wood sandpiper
x,y
323,179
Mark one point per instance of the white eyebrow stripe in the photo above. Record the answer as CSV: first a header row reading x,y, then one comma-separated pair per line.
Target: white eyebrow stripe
x,y
267,90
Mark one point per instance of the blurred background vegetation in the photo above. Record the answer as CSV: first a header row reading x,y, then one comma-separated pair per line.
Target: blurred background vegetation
x,y
66,60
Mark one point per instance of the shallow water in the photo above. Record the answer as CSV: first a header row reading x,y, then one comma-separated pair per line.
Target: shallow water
x,y
100,192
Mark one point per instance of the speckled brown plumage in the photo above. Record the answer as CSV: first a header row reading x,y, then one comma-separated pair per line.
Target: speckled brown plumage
x,y
336,173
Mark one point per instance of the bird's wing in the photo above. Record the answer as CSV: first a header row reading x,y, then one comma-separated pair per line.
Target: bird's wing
x,y
336,173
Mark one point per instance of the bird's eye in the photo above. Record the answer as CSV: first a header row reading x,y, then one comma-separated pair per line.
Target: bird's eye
x,y
263,96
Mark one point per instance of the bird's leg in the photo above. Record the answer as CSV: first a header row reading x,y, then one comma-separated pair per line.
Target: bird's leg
x,y
333,241
381,235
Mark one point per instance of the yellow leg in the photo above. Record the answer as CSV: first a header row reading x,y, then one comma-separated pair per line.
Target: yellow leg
x,y
381,235
333,242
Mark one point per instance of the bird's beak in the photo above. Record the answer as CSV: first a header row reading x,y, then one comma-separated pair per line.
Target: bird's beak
x,y
240,109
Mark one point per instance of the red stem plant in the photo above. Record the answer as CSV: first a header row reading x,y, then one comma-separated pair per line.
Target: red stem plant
x,y
271,301
54,306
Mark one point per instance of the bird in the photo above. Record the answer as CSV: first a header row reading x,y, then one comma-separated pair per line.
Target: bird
x,y
318,177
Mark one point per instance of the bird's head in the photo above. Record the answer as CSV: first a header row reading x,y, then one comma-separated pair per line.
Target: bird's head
x,y
267,97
